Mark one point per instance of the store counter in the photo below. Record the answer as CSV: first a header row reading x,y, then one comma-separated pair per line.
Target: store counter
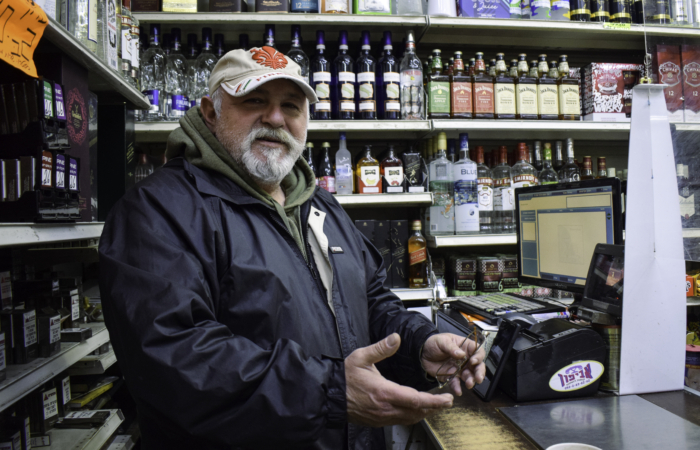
x,y
472,423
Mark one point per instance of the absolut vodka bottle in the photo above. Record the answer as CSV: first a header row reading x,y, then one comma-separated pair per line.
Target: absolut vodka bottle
x,y
153,76
442,215
203,66
411,70
343,168
365,69
191,56
465,190
176,89
297,54
343,81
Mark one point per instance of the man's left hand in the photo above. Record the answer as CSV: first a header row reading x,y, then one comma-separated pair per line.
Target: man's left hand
x,y
442,347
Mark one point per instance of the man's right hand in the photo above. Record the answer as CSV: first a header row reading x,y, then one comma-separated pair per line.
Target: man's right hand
x,y
374,401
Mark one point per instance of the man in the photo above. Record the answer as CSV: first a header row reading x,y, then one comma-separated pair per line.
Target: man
x,y
244,307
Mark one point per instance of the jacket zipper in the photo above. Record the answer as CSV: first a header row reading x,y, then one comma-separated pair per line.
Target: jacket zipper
x,y
314,275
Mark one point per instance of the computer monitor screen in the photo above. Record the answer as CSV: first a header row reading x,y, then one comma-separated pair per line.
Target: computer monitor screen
x,y
559,227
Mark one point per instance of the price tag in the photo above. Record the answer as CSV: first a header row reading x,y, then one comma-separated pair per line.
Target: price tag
x,y
617,26
22,23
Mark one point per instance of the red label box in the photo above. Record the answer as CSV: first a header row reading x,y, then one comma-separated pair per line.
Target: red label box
x,y
604,91
690,57
667,70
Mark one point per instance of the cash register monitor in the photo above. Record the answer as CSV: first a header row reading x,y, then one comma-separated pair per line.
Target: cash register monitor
x,y
559,226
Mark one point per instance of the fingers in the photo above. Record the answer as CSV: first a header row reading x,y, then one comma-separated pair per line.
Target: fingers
x,y
456,386
473,375
409,398
383,349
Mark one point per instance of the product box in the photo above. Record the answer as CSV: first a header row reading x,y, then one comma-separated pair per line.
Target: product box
x,y
373,7
666,64
5,290
690,58
492,9
184,6
6,326
228,6
272,6
25,335
465,8
438,267
689,286
92,152
603,91
489,273
509,277
366,227
3,360
48,332
64,393
399,253
462,276
43,409
145,5
382,240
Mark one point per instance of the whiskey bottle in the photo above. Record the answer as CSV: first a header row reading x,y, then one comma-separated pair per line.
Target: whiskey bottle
x,y
418,269
513,69
548,175
587,171
325,175
570,170
602,169
442,215
558,156
462,105
369,178
483,90
526,90
542,66
485,191
548,94
522,172
620,11
503,199
465,190
580,10
504,91
600,11
392,172
569,100
438,90
472,64
343,77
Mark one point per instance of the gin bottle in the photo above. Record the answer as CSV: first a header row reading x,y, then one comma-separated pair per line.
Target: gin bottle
x,y
176,101
411,82
485,192
203,66
570,170
343,81
297,55
442,215
465,190
153,76
343,168
548,175
503,198
365,68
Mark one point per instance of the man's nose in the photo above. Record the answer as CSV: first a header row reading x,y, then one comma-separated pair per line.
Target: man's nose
x,y
274,116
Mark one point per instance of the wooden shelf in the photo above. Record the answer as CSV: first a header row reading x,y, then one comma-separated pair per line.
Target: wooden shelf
x,y
35,233
385,200
471,240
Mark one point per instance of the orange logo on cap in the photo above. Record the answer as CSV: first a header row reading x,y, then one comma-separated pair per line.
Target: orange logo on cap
x,y
269,57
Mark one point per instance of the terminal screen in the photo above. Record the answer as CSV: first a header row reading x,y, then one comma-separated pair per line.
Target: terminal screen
x,y
559,230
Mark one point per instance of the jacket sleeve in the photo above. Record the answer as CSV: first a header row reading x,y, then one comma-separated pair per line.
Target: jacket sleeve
x,y
159,285
387,315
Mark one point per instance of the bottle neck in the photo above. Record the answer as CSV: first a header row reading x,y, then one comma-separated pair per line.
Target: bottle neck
x,y
464,154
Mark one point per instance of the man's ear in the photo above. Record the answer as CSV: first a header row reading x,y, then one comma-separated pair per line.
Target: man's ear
x,y
208,113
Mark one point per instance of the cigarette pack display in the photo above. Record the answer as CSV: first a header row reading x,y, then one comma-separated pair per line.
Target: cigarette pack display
x,y
64,393
49,332
7,327
272,6
43,409
509,278
382,240
399,253
372,7
146,5
10,439
3,360
603,91
666,63
489,272
228,6
25,335
462,276
415,172
690,57
75,334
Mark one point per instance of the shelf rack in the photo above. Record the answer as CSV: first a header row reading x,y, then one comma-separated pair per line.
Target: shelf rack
x,y
101,78
472,240
12,234
86,439
94,365
408,295
24,378
385,200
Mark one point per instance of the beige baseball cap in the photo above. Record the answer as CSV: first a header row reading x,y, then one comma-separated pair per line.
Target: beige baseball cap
x,y
240,72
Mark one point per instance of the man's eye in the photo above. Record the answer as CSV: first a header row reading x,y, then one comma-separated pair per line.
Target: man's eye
x,y
254,100
292,106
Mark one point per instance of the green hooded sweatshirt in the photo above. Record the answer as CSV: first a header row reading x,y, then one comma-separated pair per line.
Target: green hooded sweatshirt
x,y
199,146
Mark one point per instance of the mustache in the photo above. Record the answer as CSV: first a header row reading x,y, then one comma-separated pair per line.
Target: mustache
x,y
274,134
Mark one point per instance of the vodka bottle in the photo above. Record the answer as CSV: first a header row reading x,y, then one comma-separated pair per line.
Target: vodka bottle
x,y
176,101
108,49
143,169
569,171
548,175
485,191
203,66
243,42
389,104
269,36
503,199
125,33
297,54
411,70
83,22
191,54
343,81
321,79
153,76
219,49
343,168
465,190
366,88
442,215
135,78
166,43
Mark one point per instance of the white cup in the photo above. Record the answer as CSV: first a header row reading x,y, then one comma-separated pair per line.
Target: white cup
x,y
572,446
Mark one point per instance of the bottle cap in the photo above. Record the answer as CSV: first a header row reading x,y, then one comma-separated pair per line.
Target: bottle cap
x,y
523,154
503,155
155,29
206,34
296,31
410,40
441,141
320,38
386,40
309,145
343,38
522,56
342,136
365,39
463,141
326,144
415,225
175,34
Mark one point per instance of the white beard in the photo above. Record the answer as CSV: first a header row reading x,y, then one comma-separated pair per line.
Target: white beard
x,y
266,165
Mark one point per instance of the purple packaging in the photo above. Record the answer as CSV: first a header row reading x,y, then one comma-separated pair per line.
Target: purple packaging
x,y
73,175
60,172
492,9
466,8
58,99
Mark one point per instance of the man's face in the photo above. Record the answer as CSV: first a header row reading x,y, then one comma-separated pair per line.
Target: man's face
x,y
264,131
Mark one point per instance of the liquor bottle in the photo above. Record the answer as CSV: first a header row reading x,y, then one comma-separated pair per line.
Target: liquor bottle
x,y
540,9
638,11
343,168
368,173
659,15
135,78
472,65
365,68
548,94
602,170
176,102
152,75
513,69
447,67
143,169
558,156
548,175
542,66
504,91
485,192
125,33
409,8
580,10
438,90
297,55
334,7
192,50
492,68
600,10
324,170
466,200
526,90
483,90
587,171
309,157
269,35
411,82
503,198
442,215
495,159
304,6
343,81
203,67
561,10
219,48
392,172
452,150
243,42
569,171
461,103
569,102
418,268
390,82
537,160
516,11
620,11
320,71
525,9
686,199
523,173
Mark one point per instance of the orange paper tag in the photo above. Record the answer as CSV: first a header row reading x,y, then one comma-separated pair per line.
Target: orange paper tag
x,y
22,24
